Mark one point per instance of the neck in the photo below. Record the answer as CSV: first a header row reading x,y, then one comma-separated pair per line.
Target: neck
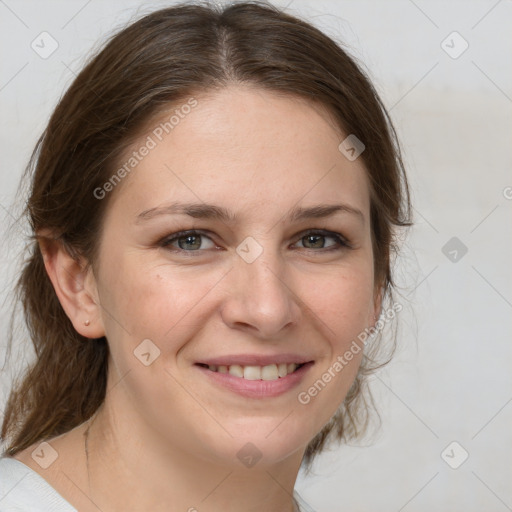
x,y
126,455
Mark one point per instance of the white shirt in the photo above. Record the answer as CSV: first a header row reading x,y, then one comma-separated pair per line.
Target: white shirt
x,y
24,490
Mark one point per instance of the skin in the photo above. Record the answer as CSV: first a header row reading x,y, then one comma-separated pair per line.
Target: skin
x,y
165,437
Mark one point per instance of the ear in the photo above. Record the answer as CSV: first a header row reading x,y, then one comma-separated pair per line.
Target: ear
x,y
74,284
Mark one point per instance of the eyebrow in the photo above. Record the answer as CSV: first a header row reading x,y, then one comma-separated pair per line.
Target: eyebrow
x,y
211,211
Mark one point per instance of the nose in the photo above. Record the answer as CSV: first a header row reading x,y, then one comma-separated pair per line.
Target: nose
x,y
260,298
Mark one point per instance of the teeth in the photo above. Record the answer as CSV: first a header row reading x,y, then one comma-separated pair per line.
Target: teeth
x,y
236,370
282,369
252,372
269,372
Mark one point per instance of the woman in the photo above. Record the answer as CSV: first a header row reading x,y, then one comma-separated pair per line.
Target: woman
x,y
214,204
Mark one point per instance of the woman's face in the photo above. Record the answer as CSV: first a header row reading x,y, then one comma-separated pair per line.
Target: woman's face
x,y
244,292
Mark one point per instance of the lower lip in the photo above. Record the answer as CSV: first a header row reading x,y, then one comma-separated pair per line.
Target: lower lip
x,y
258,388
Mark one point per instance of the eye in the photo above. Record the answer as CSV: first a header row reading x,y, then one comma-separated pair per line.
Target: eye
x,y
192,241
315,239
188,241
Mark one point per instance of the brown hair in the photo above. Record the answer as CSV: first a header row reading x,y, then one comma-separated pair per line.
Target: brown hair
x,y
154,62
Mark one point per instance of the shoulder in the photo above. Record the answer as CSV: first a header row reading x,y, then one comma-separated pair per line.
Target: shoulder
x,y
23,489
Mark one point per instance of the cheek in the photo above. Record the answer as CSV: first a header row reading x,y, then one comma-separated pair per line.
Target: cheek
x,y
166,303
157,302
342,302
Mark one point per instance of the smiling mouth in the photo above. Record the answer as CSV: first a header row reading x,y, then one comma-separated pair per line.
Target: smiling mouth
x,y
268,372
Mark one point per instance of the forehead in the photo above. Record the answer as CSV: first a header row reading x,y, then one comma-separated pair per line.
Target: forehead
x,y
242,147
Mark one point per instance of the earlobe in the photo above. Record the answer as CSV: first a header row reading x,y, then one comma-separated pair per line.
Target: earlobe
x,y
74,285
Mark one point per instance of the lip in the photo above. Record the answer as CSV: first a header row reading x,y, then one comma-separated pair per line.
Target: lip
x,y
257,388
256,359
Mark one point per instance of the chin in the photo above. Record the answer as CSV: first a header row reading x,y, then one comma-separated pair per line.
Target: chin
x,y
264,442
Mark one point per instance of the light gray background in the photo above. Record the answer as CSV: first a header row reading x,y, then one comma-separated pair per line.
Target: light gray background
x,y
451,379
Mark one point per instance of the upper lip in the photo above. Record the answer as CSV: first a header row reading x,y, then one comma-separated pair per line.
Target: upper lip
x,y
255,359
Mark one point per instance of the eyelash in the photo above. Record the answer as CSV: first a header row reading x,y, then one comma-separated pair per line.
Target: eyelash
x,y
343,243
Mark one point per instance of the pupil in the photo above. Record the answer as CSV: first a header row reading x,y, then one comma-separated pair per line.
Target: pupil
x,y
189,241
313,237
